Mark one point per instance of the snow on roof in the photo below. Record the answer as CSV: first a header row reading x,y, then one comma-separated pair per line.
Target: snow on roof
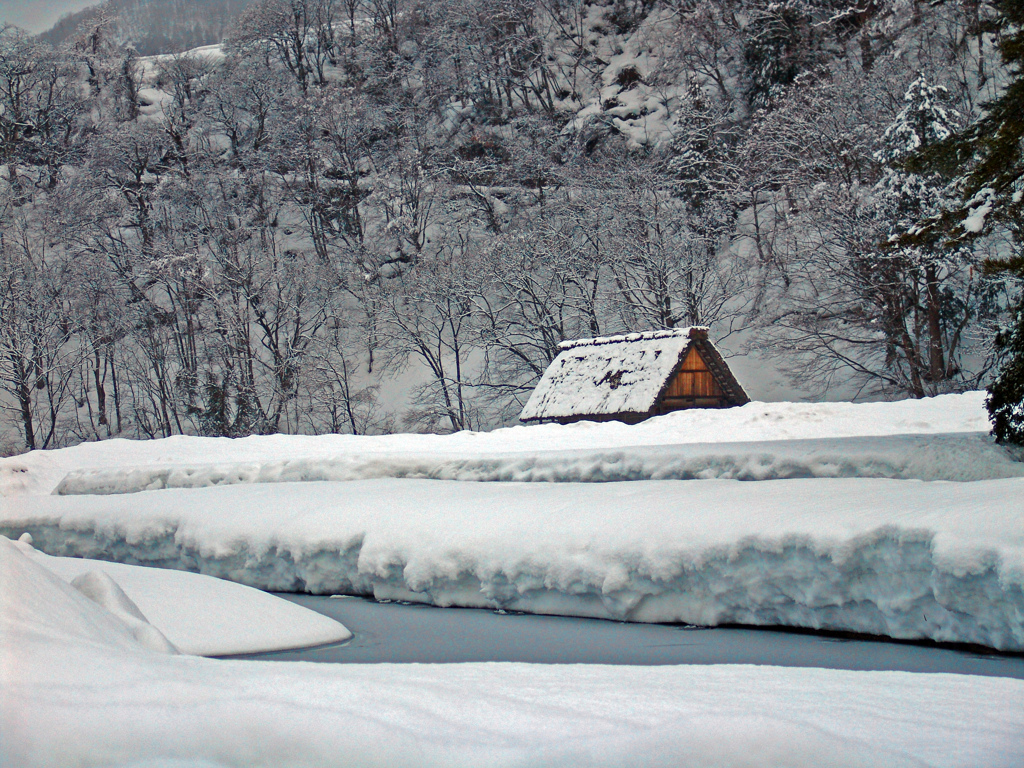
x,y
608,375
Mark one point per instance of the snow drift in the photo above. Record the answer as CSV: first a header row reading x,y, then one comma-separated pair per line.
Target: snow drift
x,y
40,472
965,457
193,613
904,559
78,689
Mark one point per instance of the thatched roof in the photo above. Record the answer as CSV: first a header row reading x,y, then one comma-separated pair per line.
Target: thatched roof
x,y
622,376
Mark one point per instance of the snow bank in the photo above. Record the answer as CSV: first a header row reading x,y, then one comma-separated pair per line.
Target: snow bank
x,y
889,557
193,613
965,457
40,472
78,690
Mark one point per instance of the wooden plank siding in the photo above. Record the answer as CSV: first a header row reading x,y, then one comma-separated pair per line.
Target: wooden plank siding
x,y
693,385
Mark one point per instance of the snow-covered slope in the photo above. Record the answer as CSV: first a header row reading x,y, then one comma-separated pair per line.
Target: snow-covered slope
x,y
77,690
483,455
900,558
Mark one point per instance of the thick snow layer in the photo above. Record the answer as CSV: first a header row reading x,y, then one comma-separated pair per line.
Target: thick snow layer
x,y
198,614
78,690
963,457
40,472
900,558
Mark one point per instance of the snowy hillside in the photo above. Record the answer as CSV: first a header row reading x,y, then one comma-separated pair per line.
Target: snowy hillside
x,y
372,217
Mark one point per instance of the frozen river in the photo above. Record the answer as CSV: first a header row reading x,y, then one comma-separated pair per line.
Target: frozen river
x,y
398,632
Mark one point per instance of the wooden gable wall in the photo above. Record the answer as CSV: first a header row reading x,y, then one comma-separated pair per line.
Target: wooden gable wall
x,y
694,385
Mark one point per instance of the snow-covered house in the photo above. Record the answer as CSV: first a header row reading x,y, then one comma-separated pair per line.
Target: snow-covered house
x,y
633,377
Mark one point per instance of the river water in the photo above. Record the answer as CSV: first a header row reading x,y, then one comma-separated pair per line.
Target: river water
x,y
405,633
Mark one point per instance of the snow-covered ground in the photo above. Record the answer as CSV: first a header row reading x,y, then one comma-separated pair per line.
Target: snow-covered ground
x,y
959,457
859,543
78,689
122,465
197,614
902,558
866,534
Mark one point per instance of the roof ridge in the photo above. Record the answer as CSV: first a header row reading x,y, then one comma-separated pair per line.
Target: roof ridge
x,y
665,333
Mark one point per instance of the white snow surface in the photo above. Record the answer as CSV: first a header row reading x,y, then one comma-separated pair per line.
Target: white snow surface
x,y
104,591
905,559
962,457
79,690
40,472
196,614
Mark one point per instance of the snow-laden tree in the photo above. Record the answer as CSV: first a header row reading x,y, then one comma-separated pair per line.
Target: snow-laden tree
x,y
297,34
38,354
845,295
987,160
667,253
427,316
40,109
776,48
938,294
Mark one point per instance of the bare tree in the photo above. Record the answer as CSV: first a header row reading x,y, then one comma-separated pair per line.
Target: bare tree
x,y
38,356
427,316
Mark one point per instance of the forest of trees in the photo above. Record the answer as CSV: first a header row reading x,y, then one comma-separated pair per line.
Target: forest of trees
x,y
152,26
254,241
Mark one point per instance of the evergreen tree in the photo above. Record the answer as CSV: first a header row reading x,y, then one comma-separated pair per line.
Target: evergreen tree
x,y
777,48
990,157
931,274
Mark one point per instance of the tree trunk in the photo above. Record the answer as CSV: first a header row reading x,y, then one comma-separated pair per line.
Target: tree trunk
x,y
936,363
24,394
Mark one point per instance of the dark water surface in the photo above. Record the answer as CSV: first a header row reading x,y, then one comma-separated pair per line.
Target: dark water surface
x,y
400,632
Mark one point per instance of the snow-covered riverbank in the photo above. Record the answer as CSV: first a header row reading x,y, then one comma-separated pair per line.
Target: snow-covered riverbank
x,y
906,559
79,690
195,614
959,457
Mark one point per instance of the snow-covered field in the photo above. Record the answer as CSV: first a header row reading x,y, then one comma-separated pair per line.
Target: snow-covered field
x,y
958,457
823,516
844,547
78,689
124,464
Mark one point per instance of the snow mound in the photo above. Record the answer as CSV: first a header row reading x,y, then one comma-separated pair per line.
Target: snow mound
x,y
39,472
35,600
79,690
967,457
196,614
103,590
903,559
